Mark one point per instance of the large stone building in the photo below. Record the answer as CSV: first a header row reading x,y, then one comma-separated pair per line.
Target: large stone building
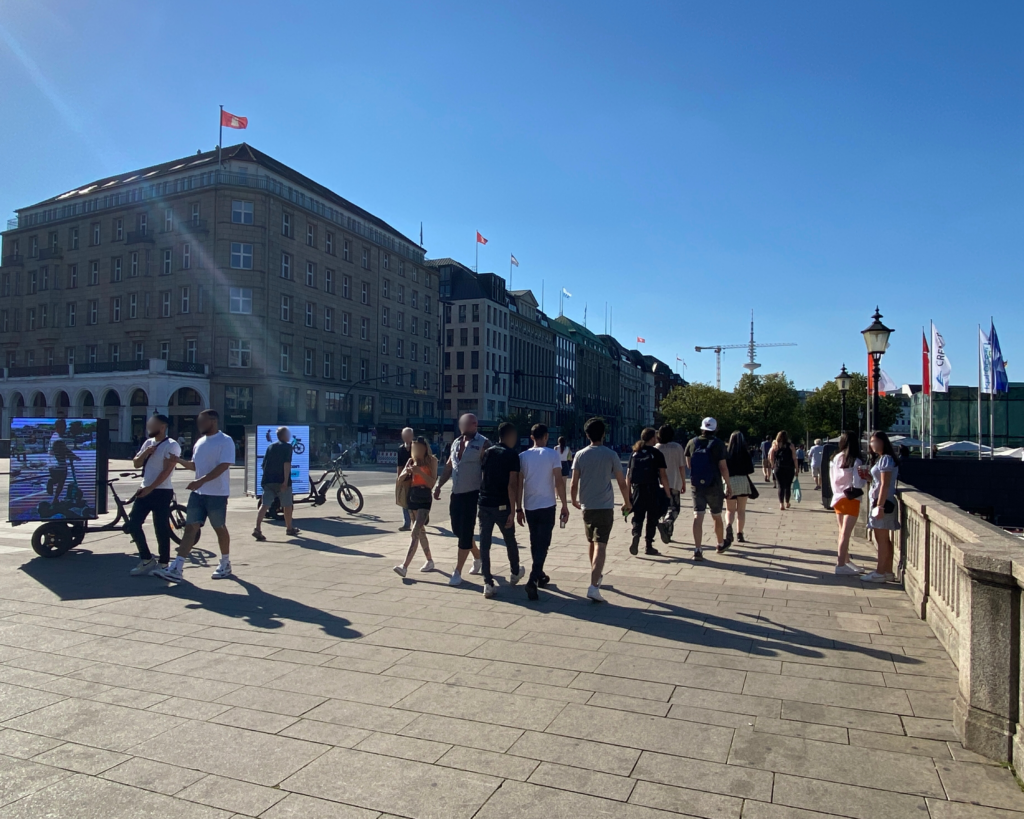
x,y
635,406
596,378
243,286
534,380
475,343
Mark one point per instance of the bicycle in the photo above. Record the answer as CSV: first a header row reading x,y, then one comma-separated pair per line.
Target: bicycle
x,y
57,537
349,497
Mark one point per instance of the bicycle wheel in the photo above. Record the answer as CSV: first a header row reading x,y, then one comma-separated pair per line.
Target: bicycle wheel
x,y
177,520
52,539
298,448
350,499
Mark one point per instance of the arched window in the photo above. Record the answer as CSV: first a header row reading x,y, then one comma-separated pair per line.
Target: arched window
x,y
139,399
111,399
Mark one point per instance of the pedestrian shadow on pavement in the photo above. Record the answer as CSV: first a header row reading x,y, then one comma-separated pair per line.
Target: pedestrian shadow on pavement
x,y
82,575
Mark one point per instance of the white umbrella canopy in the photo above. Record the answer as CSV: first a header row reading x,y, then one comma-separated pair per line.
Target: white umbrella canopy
x,y
1010,452
962,446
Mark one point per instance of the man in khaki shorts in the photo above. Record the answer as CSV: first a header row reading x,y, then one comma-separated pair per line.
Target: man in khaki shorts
x,y
277,483
593,470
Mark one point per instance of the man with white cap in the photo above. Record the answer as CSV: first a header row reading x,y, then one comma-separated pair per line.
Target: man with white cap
x,y
709,481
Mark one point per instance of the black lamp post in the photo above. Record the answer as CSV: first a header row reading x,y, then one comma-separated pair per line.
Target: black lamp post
x,y
876,338
843,382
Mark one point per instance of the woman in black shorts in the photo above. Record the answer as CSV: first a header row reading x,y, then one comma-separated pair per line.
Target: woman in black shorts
x,y
421,472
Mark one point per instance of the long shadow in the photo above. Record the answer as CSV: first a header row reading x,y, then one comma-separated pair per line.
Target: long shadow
x,y
81,575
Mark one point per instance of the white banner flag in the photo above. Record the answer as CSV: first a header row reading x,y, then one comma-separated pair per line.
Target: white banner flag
x,y
941,368
985,362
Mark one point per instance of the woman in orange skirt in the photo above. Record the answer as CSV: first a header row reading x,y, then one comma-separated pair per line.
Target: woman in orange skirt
x,y
846,475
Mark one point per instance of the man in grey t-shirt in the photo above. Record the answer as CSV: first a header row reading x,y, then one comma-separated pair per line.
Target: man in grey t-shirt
x,y
593,470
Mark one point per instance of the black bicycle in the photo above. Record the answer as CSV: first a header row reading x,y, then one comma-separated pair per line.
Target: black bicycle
x,y
349,497
57,537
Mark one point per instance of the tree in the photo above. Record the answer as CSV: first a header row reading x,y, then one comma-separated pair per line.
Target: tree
x,y
824,407
685,407
766,404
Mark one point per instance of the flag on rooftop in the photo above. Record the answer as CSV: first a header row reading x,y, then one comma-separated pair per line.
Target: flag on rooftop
x,y
231,121
480,240
566,293
641,340
515,261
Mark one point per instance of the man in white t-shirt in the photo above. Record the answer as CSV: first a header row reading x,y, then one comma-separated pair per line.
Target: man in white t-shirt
x,y
155,496
675,460
212,457
540,480
815,453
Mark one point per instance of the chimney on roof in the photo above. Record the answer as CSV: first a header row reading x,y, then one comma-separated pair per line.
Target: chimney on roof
x,y
199,152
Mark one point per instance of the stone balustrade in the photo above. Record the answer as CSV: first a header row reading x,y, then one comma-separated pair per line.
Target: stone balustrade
x,y
964,577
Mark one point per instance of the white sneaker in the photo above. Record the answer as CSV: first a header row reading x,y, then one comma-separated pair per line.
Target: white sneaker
x,y
169,573
223,571
145,567
401,571
426,567
455,579
489,590
594,593
515,578
847,569
476,566
876,577
856,568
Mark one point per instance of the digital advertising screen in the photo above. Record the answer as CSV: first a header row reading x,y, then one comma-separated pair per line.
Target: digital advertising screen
x,y
267,435
54,468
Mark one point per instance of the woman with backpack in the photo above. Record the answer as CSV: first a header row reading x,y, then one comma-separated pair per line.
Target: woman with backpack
x,y
783,460
846,474
882,520
741,467
649,489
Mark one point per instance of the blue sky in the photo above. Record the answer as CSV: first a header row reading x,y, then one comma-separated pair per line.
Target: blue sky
x,y
684,162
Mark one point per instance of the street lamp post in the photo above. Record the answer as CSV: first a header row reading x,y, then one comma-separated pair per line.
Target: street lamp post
x,y
876,338
843,382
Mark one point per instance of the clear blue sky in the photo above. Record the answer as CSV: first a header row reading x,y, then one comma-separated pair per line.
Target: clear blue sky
x,y
682,161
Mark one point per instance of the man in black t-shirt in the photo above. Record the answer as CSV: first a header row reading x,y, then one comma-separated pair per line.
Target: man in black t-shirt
x,y
404,454
499,490
709,481
277,483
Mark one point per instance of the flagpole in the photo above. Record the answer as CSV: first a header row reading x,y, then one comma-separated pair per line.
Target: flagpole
x,y
931,392
476,264
509,271
979,392
220,137
992,393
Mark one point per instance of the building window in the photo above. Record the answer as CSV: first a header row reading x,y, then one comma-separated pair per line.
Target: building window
x,y
69,356
287,397
462,314
142,223
165,350
165,304
239,353
134,267
93,354
307,364
385,288
140,351
72,314
476,312
167,262
412,351
476,383
310,236
241,256
384,316
286,225
186,293
384,344
286,308
364,329
346,287
474,359
460,360
94,311
346,252
115,273
328,320
95,234
328,365
329,242
311,399
346,319
191,350
364,368
385,261
398,347
328,280
94,273
195,213
366,258
310,274
310,313
415,301
401,268
344,367
286,266
401,294
115,352
133,305
241,212
115,308
118,230
426,304
384,372
401,320
364,296
286,357
168,220
73,238
186,256
476,336
240,300
30,317
464,337
33,277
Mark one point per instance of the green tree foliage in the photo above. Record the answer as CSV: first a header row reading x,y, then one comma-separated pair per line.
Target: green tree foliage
x,y
685,407
766,404
824,407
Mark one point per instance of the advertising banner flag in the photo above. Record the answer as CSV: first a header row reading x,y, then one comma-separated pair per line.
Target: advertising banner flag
x,y
941,368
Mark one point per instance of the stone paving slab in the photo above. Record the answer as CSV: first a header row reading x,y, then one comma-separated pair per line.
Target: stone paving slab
x,y
317,683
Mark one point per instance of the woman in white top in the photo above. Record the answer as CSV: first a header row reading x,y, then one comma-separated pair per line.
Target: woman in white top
x,y
882,520
845,473
565,456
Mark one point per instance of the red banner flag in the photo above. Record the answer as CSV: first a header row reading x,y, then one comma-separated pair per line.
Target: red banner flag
x,y
641,340
480,239
231,121
926,370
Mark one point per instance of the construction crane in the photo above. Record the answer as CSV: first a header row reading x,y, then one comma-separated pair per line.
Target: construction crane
x,y
751,348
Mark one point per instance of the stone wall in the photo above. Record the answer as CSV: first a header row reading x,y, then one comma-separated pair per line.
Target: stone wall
x,y
964,577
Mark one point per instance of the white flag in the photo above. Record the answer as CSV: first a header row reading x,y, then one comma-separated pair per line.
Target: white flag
x,y
886,384
941,368
566,293
985,362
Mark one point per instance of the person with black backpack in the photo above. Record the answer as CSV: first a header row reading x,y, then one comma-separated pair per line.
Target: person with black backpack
x,y
709,482
649,489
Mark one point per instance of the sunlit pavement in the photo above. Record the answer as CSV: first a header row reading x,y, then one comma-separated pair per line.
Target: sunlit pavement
x,y
318,683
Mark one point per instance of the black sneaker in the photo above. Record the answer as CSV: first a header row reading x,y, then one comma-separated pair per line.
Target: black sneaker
x,y
544,580
697,556
634,547
740,538
531,591
666,535
723,546
650,550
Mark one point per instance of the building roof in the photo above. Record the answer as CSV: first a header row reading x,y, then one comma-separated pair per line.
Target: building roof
x,y
581,335
207,161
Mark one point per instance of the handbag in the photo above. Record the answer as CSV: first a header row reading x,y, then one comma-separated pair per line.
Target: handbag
x,y
853,493
402,492
797,494
753,494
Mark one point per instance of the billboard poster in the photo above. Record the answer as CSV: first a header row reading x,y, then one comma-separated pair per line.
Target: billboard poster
x,y
53,469
267,435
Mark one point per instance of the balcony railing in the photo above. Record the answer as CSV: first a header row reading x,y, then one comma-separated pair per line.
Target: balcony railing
x,y
136,237
112,366
186,367
13,260
47,253
193,226
37,370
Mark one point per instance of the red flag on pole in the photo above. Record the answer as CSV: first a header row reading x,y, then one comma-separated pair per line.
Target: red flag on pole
x,y
641,340
480,239
926,370
231,121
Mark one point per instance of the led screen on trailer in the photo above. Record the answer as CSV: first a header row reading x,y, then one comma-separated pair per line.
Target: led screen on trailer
x,y
53,469
267,435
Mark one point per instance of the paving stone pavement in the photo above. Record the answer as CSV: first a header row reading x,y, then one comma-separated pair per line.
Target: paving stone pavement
x,y
317,683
